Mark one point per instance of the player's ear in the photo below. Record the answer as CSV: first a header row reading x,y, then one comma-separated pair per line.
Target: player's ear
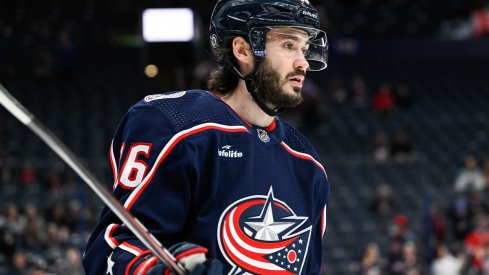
x,y
243,54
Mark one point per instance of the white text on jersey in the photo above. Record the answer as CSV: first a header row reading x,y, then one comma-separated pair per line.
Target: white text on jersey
x,y
227,152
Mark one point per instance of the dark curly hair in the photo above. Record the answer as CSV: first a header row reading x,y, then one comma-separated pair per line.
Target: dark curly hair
x,y
223,80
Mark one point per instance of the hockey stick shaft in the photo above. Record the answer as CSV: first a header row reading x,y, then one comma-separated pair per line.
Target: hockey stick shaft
x,y
138,229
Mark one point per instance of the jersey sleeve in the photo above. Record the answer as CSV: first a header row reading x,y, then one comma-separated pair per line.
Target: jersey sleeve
x,y
152,178
320,223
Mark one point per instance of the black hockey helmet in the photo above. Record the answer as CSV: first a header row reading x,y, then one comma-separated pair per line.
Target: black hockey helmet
x,y
254,18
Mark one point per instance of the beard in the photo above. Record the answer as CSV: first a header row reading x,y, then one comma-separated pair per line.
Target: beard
x,y
268,87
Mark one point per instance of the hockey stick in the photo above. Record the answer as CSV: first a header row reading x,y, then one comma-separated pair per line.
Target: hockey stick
x,y
136,227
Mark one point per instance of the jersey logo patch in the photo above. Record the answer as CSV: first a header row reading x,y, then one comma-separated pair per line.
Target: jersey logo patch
x,y
227,151
263,135
262,235
164,96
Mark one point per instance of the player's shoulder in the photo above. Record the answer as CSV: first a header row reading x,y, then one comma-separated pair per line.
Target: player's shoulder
x,y
177,98
184,94
297,141
187,108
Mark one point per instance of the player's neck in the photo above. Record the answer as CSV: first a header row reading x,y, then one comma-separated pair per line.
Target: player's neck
x,y
243,104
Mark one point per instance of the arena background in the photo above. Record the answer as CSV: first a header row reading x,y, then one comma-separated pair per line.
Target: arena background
x,y
400,109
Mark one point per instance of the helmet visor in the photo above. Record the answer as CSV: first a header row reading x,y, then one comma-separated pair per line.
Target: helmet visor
x,y
313,45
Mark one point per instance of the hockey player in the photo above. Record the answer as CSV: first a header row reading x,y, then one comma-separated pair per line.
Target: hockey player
x,y
219,173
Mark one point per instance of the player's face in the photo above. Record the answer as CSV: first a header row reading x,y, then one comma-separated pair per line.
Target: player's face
x,y
281,75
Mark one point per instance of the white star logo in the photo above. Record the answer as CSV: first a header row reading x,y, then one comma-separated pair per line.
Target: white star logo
x,y
110,265
268,229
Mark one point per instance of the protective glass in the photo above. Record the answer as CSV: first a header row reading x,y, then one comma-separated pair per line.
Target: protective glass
x,y
313,45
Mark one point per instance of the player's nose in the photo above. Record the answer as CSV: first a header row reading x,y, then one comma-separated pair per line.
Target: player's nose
x,y
301,63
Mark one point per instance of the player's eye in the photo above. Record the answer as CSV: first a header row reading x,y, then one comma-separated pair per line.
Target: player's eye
x,y
288,45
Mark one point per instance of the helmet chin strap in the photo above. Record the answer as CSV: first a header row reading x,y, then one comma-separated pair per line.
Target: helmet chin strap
x,y
250,86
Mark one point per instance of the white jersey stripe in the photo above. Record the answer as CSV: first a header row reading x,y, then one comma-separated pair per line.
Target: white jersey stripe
x,y
324,220
130,248
303,156
108,236
113,164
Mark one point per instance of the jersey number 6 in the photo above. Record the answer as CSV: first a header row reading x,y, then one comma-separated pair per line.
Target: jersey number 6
x,y
134,169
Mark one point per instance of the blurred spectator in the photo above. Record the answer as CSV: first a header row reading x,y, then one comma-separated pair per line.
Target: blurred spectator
x,y
379,147
460,215
76,221
56,213
478,202
69,263
373,263
36,264
404,98
469,177
477,241
19,264
64,236
383,101
408,263
53,250
73,258
446,263
34,233
400,233
359,93
383,204
27,175
402,149
480,21
436,229
485,263
339,95
56,188
14,221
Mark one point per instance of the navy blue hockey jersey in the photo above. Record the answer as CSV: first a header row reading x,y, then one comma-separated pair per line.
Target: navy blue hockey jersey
x,y
190,169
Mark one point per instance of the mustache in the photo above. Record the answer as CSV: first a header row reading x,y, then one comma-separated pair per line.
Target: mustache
x,y
296,72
